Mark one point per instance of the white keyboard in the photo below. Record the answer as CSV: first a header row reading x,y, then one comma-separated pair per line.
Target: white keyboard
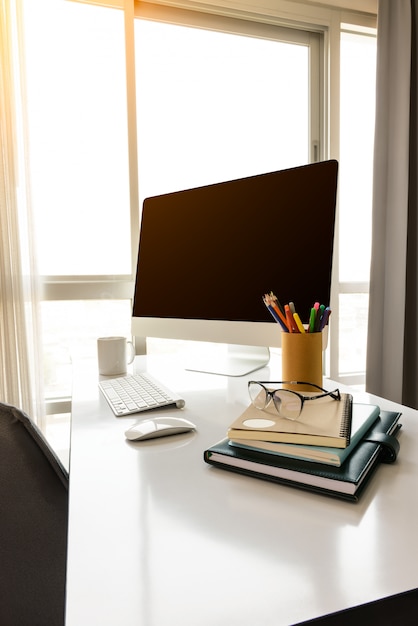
x,y
136,393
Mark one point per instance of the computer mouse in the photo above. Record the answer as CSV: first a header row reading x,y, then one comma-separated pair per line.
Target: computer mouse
x,y
158,427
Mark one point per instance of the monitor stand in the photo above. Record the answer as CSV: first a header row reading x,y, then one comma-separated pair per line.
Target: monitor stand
x,y
228,360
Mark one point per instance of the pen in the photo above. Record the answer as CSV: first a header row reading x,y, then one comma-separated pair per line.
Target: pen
x,y
290,321
325,318
276,302
282,317
312,320
274,315
298,322
272,300
319,314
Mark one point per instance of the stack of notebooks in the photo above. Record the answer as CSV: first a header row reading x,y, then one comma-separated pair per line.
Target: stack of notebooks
x,y
333,447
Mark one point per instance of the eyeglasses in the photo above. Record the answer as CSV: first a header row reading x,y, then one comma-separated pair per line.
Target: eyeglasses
x,y
288,403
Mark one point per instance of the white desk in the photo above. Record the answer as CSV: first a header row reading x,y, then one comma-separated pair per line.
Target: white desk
x,y
158,538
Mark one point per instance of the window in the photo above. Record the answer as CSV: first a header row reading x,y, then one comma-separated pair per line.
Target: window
x,y
214,106
79,156
357,108
217,97
76,98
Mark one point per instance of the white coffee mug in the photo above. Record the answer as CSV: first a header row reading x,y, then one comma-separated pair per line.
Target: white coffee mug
x,y
114,355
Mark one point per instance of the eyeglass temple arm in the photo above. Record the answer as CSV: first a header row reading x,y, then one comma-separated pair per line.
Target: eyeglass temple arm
x,y
334,394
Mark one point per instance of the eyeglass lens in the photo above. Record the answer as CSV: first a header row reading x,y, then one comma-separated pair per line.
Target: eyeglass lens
x,y
258,395
287,404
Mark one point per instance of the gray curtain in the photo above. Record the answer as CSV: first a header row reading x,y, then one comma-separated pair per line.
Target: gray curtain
x,y
392,351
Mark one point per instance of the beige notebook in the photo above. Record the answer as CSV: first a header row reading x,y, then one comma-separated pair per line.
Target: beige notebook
x,y
323,422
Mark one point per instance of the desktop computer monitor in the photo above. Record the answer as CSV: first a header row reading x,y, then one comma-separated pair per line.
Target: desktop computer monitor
x,y
208,255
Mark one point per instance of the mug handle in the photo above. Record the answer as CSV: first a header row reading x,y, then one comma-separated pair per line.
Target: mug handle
x,y
131,352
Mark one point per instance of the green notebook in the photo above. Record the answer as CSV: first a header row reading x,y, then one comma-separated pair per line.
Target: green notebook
x,y
347,482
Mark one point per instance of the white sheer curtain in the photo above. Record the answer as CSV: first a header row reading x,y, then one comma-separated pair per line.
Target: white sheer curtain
x,y
20,373
392,357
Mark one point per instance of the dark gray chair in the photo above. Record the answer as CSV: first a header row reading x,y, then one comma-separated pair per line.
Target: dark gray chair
x,y
33,525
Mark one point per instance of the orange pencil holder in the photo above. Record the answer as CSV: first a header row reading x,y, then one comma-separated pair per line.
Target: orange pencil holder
x,y
302,359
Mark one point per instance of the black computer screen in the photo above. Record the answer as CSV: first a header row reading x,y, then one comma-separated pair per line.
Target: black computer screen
x,y
212,252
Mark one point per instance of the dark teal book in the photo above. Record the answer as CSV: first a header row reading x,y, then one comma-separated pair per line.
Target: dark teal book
x,y
379,444
363,416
